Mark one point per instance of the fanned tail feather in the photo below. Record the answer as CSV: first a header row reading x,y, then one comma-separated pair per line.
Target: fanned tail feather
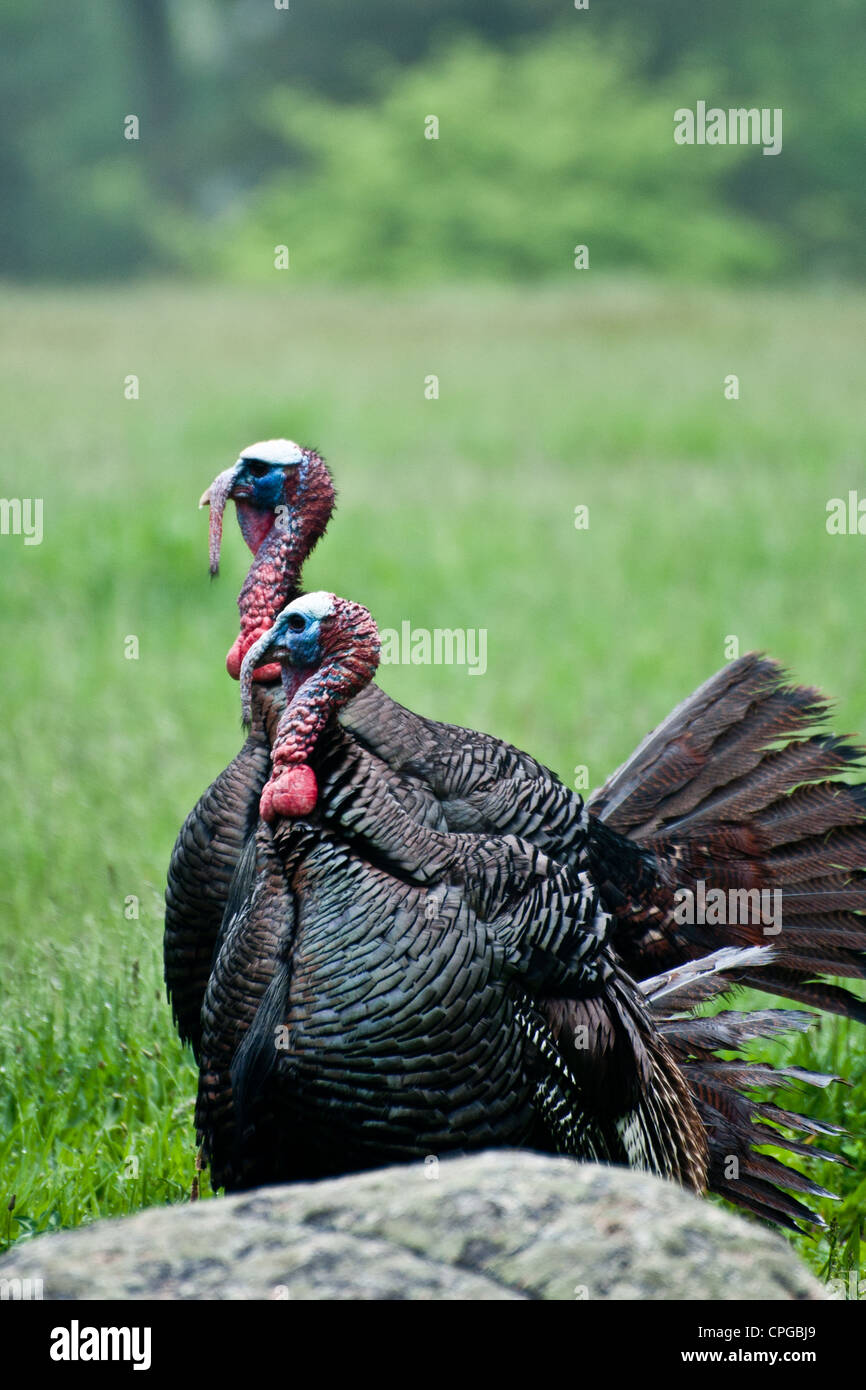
x,y
741,789
736,1124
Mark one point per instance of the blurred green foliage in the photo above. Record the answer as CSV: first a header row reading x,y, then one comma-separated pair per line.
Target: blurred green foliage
x,y
305,127
557,144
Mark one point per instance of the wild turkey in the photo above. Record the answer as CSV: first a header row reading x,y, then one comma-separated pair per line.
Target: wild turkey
x,y
385,987
284,497
739,789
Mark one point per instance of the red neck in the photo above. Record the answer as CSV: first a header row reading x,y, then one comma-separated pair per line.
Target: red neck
x,y
350,654
311,702
281,542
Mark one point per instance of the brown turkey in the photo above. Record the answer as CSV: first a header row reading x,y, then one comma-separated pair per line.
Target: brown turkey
x,y
385,988
739,790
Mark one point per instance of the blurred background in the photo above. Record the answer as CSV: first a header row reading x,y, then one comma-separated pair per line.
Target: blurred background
x,y
254,118
153,260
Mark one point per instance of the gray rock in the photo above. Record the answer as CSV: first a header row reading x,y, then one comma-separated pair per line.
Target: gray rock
x,y
499,1225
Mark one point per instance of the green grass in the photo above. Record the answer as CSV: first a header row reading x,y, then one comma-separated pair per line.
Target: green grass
x,y
707,519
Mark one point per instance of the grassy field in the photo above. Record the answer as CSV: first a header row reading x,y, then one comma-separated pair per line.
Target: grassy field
x,y
707,521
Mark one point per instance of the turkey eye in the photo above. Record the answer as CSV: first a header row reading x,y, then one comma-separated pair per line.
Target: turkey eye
x,y
296,623
258,470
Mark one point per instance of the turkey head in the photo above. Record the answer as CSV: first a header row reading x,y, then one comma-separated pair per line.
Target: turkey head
x,y
284,497
327,649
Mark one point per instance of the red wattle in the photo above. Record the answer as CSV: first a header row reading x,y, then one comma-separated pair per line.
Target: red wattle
x,y
266,674
293,792
255,524
235,658
241,645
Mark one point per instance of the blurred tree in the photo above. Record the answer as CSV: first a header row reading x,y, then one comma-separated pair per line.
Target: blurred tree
x,y
538,150
81,201
159,100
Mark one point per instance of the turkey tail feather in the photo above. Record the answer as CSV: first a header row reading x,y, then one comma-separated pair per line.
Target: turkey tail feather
x,y
740,792
736,1125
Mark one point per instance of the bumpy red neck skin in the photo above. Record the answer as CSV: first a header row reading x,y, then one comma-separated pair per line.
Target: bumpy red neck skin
x,y
272,582
281,541
349,660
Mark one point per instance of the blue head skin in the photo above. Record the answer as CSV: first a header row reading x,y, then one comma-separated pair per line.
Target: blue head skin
x,y
260,482
328,650
264,478
273,483
284,497
294,640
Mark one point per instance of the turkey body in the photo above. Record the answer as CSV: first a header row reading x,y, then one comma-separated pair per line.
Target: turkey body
x,y
449,777
453,951
707,797
204,859
382,991
406,1028
343,1071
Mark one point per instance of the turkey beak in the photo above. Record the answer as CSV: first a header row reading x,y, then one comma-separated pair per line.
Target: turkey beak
x,y
216,497
253,658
